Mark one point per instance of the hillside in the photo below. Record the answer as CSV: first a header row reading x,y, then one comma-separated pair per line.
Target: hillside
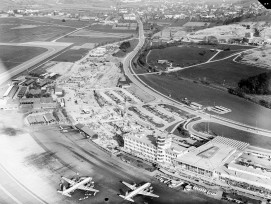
x,y
259,84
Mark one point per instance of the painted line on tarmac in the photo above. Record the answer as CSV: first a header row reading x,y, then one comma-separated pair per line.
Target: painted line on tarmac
x,y
10,195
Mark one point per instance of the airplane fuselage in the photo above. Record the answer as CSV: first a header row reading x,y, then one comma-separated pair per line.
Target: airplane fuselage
x,y
138,190
75,186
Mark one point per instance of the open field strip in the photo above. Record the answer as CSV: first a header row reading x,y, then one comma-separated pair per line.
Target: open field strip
x,y
53,48
54,24
93,33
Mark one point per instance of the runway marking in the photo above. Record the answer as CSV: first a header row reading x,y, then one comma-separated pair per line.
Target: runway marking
x,y
10,195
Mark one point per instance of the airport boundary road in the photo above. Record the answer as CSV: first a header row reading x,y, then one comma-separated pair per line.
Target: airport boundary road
x,y
128,69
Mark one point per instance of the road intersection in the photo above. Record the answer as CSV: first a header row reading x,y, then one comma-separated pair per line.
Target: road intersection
x,y
129,72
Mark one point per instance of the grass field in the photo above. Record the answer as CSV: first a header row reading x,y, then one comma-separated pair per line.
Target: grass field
x,y
108,28
40,33
180,56
242,110
221,130
57,21
93,33
224,54
225,73
12,56
79,40
71,55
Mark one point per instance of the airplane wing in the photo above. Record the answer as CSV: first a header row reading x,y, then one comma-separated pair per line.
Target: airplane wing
x,y
132,187
126,198
85,188
69,181
148,194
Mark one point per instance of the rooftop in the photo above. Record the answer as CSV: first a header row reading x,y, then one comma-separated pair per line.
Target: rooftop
x,y
213,154
146,139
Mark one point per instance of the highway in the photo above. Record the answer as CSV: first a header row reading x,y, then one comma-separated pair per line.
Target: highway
x,y
128,70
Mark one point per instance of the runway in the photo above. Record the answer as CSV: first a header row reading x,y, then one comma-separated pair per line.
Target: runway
x,y
14,192
53,49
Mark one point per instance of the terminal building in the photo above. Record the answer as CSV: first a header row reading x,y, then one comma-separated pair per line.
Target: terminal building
x,y
221,161
159,149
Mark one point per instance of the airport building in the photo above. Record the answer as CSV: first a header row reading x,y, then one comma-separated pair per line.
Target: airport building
x,y
160,149
221,161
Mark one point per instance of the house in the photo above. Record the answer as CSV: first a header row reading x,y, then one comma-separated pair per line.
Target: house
x,y
58,92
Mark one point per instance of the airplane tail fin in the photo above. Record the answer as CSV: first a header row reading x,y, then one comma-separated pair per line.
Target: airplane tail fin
x,y
63,193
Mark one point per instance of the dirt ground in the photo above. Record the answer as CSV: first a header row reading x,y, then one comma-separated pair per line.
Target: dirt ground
x,y
145,97
61,68
260,57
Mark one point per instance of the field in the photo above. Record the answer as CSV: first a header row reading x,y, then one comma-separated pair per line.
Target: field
x,y
225,73
242,110
92,33
58,21
224,54
108,28
253,139
82,40
11,56
180,56
12,30
71,55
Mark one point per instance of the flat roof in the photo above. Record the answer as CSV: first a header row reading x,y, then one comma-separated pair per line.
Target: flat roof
x,y
176,148
31,119
146,139
39,118
247,178
49,117
255,160
195,158
213,154
85,129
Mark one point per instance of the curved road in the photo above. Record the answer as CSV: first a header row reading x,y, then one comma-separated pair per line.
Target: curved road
x,y
127,66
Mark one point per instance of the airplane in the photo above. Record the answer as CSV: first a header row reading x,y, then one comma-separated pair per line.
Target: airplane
x,y
83,183
145,189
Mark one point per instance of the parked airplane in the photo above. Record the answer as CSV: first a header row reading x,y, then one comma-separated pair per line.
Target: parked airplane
x,y
83,183
145,189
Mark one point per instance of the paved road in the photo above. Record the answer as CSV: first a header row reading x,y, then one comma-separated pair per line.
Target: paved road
x,y
53,51
127,65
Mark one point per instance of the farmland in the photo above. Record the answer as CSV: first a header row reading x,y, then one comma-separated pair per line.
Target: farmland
x,y
242,110
12,56
261,141
180,55
225,73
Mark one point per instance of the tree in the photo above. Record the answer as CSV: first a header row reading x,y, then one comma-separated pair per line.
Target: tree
x,y
256,32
